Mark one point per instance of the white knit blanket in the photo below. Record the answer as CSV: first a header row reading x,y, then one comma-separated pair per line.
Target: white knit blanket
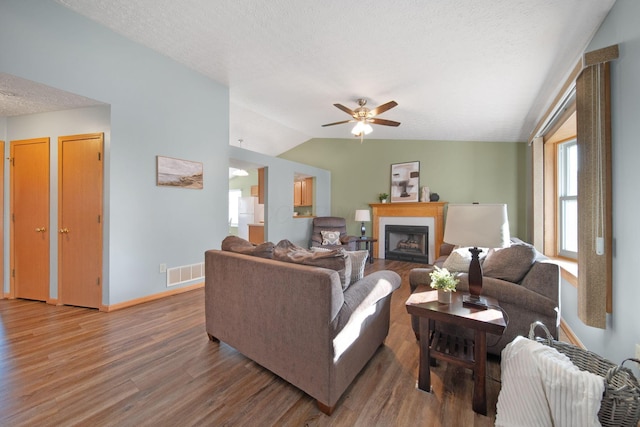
x,y
542,387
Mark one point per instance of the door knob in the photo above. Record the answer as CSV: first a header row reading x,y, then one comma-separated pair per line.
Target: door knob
x,y
64,230
40,230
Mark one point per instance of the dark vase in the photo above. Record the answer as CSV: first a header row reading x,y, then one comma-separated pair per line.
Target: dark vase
x,y
434,197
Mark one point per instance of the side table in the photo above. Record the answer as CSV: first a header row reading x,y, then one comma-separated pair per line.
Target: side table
x,y
468,353
368,242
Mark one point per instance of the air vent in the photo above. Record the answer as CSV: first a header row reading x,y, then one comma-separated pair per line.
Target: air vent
x,y
184,274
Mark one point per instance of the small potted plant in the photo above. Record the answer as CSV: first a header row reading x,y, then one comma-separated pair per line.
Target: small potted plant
x,y
445,282
383,197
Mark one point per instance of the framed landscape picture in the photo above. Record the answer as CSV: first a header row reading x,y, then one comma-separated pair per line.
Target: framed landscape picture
x,y
405,182
178,173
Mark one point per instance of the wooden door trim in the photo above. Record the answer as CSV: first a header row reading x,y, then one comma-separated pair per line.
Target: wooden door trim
x,y
2,294
43,140
99,136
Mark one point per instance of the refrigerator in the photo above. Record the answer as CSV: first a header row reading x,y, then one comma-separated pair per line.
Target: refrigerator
x,y
247,208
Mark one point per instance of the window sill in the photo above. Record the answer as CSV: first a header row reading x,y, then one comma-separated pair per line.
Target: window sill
x,y
568,269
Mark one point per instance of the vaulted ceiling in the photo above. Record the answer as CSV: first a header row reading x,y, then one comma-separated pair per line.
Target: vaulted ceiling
x,y
478,70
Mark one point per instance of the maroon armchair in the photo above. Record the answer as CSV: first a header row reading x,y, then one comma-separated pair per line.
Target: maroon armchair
x,y
331,223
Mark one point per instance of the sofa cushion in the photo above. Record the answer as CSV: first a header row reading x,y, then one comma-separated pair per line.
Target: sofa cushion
x,y
358,263
460,258
334,259
511,263
331,237
234,242
242,246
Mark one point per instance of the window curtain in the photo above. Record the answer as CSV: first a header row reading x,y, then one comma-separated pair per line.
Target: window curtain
x,y
593,108
542,221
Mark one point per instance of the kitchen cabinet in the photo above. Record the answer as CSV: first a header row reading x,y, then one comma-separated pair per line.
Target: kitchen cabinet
x,y
256,233
303,192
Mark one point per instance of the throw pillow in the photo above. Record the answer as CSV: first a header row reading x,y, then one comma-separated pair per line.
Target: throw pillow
x,y
358,264
459,259
231,242
335,259
330,237
239,245
510,264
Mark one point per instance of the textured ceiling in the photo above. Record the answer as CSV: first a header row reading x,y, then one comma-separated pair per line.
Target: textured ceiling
x,y
481,70
20,96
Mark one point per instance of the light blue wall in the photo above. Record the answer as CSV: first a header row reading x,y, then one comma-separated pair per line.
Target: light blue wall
x,y
618,340
279,220
54,125
158,107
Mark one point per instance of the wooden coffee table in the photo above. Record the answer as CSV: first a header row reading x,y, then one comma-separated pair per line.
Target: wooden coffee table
x,y
469,353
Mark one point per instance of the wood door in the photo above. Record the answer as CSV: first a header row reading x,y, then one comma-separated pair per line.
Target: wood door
x,y
307,192
297,193
80,219
30,219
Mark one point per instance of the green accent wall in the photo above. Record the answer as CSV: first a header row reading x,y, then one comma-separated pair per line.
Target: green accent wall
x,y
459,171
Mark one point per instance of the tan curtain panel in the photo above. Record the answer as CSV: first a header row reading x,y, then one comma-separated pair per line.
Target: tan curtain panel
x,y
593,108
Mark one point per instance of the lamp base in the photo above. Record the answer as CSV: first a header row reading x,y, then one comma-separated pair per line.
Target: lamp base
x,y
472,301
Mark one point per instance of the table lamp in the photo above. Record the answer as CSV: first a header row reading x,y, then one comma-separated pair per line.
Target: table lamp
x,y
473,225
363,216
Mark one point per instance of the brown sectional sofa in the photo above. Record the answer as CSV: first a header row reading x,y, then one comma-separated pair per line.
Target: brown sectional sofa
x,y
535,297
296,321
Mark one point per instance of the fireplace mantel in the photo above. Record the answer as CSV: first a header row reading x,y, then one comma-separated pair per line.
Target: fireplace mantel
x,y
434,210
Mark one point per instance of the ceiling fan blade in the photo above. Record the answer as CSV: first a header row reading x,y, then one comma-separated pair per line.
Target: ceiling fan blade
x,y
338,123
384,122
382,108
346,110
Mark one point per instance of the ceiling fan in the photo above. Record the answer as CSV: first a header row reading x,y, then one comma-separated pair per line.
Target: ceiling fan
x,y
364,117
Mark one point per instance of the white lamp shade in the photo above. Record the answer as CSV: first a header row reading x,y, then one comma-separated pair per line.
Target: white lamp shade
x,y
479,225
363,215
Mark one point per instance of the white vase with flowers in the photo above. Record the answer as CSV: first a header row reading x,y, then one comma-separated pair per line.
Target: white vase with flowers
x,y
445,282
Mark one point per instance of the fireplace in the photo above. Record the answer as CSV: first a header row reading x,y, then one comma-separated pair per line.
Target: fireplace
x,y
426,214
407,243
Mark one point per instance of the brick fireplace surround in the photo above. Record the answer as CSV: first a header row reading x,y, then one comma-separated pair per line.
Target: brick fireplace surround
x,y
433,210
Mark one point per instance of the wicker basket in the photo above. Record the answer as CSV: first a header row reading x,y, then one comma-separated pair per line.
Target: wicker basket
x,y
621,400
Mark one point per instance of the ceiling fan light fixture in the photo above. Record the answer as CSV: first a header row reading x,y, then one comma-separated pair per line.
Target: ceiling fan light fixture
x,y
240,172
362,127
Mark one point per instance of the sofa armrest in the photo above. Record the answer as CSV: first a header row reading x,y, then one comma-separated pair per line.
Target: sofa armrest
x,y
446,249
544,279
348,242
419,276
365,293
511,294
348,239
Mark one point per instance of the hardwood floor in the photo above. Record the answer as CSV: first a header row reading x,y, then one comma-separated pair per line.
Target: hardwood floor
x,y
152,364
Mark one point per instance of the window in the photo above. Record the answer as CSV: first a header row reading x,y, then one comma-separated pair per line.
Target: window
x,y
556,172
568,199
234,198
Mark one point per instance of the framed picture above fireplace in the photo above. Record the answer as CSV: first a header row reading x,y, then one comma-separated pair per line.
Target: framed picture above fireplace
x,y
405,182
